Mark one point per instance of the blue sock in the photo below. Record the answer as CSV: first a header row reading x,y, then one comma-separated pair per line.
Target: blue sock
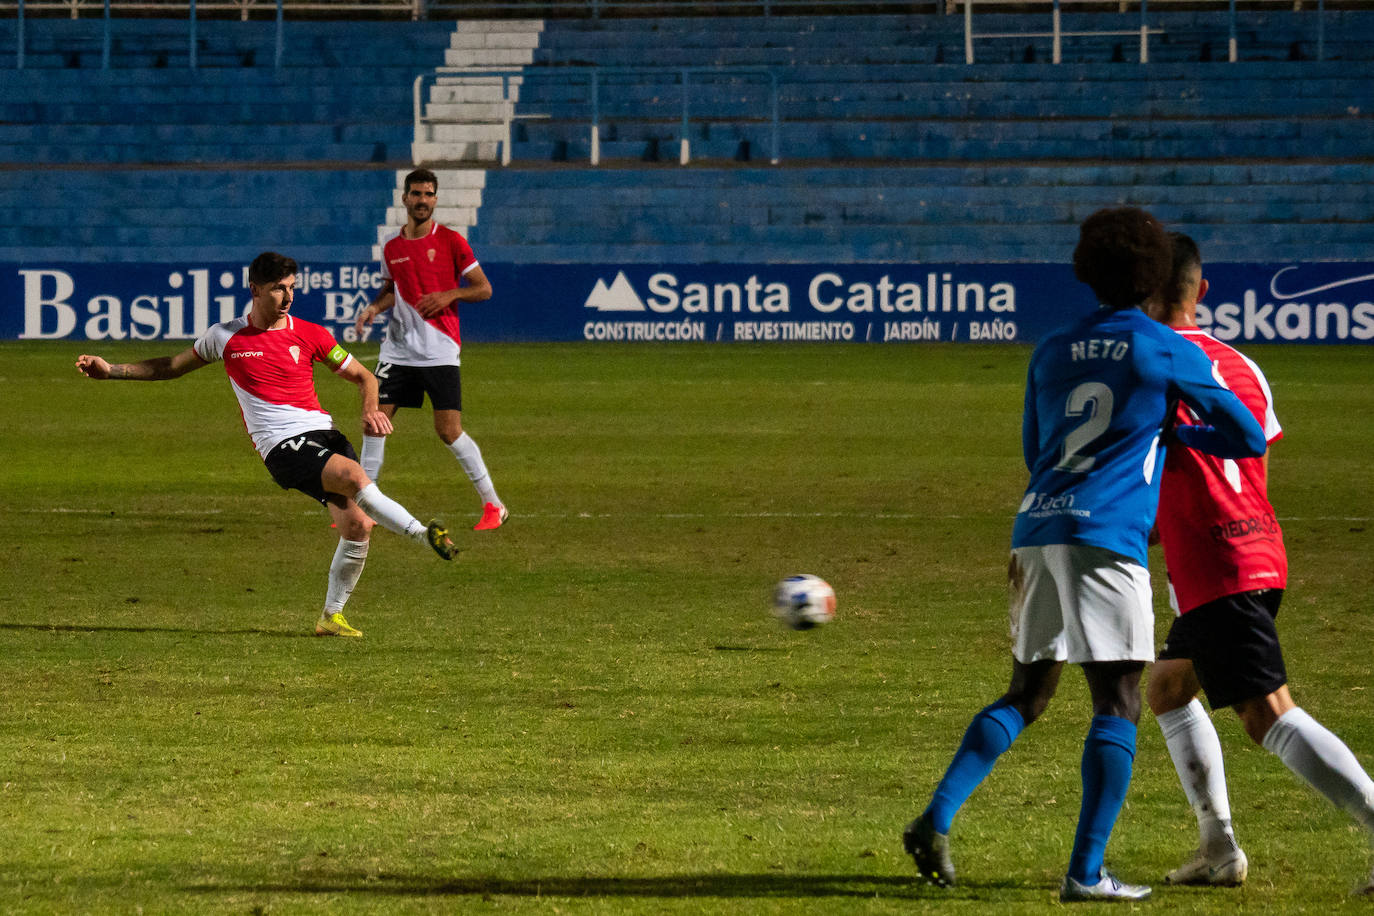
x,y
989,734
1108,754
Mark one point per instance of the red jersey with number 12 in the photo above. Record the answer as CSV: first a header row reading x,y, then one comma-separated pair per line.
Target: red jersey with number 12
x,y
432,264
1218,528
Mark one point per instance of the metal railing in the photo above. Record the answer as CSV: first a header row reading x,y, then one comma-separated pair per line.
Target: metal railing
x,y
192,10
596,9
467,9
241,9
593,78
245,10
1144,31
1056,33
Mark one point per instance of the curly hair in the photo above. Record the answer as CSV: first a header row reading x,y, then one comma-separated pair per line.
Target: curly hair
x,y
1124,255
269,267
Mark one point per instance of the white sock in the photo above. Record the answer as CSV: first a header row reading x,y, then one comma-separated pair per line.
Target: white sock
x,y
349,558
388,513
374,452
1324,762
470,457
1196,751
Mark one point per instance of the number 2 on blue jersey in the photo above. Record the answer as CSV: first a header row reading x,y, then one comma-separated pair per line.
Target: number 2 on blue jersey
x,y
1095,401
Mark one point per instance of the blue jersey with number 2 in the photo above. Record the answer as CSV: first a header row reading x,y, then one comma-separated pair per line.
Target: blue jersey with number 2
x,y
1097,396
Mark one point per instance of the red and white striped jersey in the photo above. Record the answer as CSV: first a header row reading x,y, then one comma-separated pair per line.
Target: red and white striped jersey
x,y
432,264
272,375
1219,531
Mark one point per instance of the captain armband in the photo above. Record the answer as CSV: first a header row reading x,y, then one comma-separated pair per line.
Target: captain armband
x,y
337,356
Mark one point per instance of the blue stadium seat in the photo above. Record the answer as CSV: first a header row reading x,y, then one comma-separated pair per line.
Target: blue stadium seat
x,y
892,147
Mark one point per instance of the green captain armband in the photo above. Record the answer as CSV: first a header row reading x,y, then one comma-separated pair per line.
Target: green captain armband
x,y
337,356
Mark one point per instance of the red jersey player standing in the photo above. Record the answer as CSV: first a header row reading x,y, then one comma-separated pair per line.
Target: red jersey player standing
x,y
269,356
1227,570
429,269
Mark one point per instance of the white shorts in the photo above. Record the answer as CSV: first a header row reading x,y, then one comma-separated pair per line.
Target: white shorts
x,y
1076,603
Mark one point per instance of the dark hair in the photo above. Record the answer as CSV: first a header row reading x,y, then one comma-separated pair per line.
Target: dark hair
x,y
1186,260
269,267
1123,254
421,176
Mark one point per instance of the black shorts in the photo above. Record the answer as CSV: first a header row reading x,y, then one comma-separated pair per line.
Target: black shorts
x,y
1233,645
298,463
406,386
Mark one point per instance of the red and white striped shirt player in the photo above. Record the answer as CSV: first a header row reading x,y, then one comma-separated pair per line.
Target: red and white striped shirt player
x,y
1229,571
429,269
1220,533
272,374
436,261
269,356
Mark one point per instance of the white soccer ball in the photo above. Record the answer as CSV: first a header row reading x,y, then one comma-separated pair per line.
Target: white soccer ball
x,y
803,602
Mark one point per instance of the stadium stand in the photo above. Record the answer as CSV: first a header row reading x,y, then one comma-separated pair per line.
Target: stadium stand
x,y
891,147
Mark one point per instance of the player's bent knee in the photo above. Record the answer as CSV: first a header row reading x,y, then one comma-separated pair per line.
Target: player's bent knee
x,y
1031,705
1166,693
357,528
1258,715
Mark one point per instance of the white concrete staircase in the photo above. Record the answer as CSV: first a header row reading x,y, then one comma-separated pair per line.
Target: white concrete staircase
x,y
467,117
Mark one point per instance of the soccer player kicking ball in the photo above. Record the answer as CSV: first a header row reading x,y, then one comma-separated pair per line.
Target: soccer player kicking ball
x,y
429,269
1097,395
1227,571
269,356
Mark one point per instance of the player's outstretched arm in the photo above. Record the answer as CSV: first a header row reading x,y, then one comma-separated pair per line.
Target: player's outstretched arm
x,y
157,369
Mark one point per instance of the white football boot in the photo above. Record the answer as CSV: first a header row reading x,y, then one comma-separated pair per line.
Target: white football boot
x,y
1110,887
1226,870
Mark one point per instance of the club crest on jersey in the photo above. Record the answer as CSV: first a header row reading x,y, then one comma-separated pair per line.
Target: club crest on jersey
x,y
432,254
295,352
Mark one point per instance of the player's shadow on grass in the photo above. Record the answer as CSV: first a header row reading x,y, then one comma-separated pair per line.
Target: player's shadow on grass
x,y
766,885
203,631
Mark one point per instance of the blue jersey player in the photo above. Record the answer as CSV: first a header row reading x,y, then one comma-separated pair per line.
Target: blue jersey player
x,y
1098,395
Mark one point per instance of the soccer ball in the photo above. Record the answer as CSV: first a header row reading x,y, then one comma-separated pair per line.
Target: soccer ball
x,y
803,602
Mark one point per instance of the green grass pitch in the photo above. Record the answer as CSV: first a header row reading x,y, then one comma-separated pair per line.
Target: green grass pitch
x,y
592,711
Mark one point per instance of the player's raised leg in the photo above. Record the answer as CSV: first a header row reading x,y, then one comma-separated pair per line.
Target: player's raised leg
x,y
345,476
